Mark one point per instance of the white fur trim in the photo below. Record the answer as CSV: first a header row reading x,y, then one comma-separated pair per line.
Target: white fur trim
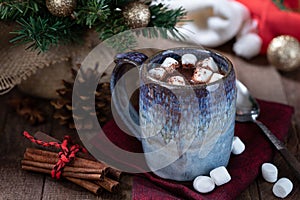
x,y
248,45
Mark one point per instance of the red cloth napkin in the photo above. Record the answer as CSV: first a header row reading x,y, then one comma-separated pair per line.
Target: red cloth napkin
x,y
243,168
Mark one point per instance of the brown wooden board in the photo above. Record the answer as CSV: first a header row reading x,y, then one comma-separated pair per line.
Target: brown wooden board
x,y
18,184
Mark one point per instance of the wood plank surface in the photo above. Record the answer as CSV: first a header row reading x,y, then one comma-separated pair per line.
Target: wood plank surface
x,y
263,80
15,183
267,83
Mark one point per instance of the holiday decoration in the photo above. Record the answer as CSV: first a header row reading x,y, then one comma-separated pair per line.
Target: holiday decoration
x,y
274,19
45,24
61,8
284,53
46,70
253,23
64,107
136,15
52,40
213,23
26,108
85,172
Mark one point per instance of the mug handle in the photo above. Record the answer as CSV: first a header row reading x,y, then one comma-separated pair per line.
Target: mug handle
x,y
120,100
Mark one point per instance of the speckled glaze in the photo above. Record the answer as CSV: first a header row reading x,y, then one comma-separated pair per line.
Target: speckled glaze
x,y
198,119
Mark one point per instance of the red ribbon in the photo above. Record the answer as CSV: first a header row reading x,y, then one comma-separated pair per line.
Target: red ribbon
x,y
66,155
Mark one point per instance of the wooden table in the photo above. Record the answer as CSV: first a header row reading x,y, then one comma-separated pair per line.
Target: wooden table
x,y
262,79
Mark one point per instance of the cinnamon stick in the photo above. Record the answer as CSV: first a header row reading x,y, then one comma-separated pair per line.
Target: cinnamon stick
x,y
40,158
92,187
47,138
96,189
66,168
109,184
114,173
95,177
51,157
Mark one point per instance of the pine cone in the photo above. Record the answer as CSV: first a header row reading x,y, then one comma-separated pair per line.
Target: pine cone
x,y
102,95
27,109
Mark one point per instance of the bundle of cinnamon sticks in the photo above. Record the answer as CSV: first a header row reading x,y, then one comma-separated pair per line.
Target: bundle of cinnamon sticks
x,y
92,175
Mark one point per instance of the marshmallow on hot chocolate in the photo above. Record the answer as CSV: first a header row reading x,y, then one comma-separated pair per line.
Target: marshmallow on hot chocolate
x,y
170,64
201,75
188,61
215,77
208,63
158,73
176,80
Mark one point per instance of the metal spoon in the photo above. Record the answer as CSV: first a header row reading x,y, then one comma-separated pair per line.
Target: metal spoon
x,y
247,110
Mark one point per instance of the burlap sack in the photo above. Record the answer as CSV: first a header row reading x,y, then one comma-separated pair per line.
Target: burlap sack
x,y
18,64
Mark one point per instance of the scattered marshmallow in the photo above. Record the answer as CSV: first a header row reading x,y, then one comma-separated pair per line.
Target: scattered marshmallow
x,y
220,175
170,64
237,146
158,73
282,187
208,63
269,172
176,80
203,184
188,61
201,75
215,77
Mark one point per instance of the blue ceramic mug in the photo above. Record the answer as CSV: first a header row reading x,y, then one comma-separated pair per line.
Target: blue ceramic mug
x,y
185,130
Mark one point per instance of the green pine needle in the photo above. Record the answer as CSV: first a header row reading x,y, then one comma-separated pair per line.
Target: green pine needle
x,y
161,16
40,29
41,33
279,4
93,12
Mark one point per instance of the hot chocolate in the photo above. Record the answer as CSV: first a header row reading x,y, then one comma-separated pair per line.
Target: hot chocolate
x,y
188,70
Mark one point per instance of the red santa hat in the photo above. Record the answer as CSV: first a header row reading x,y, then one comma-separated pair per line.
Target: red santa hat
x,y
274,21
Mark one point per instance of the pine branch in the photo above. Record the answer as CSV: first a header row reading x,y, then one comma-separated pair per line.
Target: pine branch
x,y
40,29
41,33
164,17
164,20
94,12
280,4
16,9
113,25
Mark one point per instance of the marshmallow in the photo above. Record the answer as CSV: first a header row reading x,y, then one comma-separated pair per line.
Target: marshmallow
x,y
282,187
269,172
237,146
215,77
188,61
220,175
158,73
203,184
208,63
201,75
170,64
176,80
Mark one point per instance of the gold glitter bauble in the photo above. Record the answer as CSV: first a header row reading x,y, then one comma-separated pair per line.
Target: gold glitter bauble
x,y
284,53
136,15
61,8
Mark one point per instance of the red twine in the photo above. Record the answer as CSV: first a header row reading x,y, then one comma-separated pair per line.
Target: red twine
x,y
66,155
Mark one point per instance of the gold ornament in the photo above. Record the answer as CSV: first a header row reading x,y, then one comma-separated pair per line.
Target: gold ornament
x,y
61,8
284,53
136,15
